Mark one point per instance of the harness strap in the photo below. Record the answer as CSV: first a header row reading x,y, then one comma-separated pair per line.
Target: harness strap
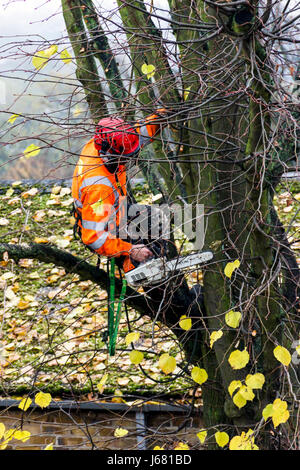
x,y
114,318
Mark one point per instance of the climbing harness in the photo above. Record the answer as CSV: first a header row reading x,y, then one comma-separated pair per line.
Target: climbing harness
x,y
113,316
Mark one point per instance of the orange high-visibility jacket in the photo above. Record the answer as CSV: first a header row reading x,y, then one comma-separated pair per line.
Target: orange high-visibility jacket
x,y
97,194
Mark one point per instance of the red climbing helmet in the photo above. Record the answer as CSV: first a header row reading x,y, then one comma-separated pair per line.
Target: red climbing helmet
x,y
115,136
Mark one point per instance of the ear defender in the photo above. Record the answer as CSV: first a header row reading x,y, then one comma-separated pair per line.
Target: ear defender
x,y
104,146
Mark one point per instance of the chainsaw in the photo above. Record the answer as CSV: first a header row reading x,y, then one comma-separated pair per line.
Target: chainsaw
x,y
159,269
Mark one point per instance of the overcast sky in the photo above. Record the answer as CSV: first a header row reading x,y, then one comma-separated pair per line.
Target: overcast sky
x,y
27,17
35,21
43,17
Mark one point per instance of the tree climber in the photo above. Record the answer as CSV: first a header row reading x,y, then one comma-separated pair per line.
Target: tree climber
x,y
99,185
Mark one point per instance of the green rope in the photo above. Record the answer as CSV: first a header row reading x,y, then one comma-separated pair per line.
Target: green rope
x,y
111,302
114,319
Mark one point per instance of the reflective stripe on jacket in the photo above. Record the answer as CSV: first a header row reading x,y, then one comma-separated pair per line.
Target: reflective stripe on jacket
x,y
98,195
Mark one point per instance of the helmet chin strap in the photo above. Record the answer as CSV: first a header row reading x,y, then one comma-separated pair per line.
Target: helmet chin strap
x,y
111,165
110,160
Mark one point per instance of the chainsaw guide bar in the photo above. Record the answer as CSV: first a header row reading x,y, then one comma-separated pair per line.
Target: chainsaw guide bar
x,y
159,269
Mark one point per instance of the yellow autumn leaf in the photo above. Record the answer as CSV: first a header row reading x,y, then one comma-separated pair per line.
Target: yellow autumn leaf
x,y
55,191
79,167
239,400
267,411
222,438
65,56
181,446
22,305
233,319
202,435
280,412
255,381
49,446
233,386
243,442
9,192
22,435
76,111
43,399
132,337
199,375
41,58
231,267
215,335
51,50
167,363
120,432
12,118
98,207
282,355
239,359
246,392
101,384
277,411
40,240
25,403
186,93
136,357
3,445
31,192
185,323
2,430
148,70
9,435
31,151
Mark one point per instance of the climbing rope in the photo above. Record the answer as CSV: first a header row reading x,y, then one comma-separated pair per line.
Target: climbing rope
x,y
114,317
